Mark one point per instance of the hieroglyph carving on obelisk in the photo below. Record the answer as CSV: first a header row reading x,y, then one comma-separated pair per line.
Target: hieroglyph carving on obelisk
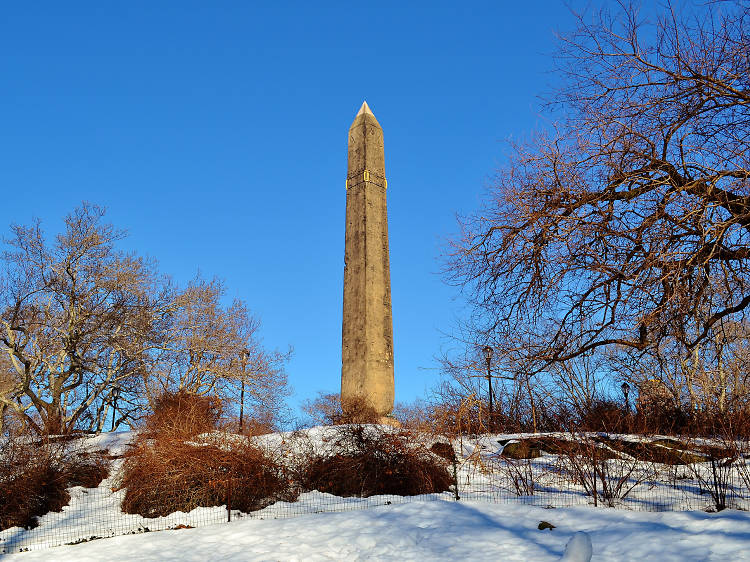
x,y
367,334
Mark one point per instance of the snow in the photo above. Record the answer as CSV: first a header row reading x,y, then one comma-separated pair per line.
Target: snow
x,y
490,521
438,530
578,549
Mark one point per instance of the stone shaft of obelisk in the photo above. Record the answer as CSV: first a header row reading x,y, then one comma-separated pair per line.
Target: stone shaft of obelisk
x,y
367,334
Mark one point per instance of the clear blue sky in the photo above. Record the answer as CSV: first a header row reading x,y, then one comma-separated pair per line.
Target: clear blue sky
x,y
216,133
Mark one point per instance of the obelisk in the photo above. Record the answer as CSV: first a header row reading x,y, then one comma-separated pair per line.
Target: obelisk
x,y
367,333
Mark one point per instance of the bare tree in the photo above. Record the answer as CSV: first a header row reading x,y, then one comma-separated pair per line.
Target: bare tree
x,y
6,388
325,409
577,383
708,380
92,335
261,384
516,388
207,347
627,225
76,320
199,342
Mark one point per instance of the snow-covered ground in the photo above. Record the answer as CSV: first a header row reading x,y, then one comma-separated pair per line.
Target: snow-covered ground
x,y
436,531
490,522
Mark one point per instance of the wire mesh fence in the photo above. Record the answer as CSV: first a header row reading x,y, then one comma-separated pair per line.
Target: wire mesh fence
x,y
550,480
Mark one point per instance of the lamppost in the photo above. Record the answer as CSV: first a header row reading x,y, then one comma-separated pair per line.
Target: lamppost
x,y
626,390
115,396
488,359
244,356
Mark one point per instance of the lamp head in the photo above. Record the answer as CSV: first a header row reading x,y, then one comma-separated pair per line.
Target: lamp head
x,y
487,353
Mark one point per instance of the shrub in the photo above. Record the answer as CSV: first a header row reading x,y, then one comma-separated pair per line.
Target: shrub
x,y
457,415
166,470
414,417
34,479
356,410
520,472
708,423
723,460
366,461
323,410
604,474
183,414
165,475
327,409
254,426
607,416
31,484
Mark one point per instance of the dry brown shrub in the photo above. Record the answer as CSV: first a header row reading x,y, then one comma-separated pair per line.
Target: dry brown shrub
x,y
671,420
328,409
169,468
35,477
520,473
88,470
605,474
325,409
257,426
459,416
31,484
165,475
366,461
733,423
417,416
356,410
183,414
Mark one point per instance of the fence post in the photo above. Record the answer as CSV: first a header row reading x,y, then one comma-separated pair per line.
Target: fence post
x,y
455,477
594,474
229,499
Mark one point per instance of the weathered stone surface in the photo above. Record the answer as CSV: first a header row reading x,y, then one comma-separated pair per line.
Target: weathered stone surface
x,y
367,333
521,450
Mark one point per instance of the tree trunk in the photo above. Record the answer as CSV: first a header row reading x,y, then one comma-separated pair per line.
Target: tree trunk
x,y
54,424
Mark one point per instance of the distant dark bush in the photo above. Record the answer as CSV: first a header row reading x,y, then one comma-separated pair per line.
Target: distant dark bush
x,y
444,450
734,424
34,479
366,461
87,470
671,420
606,416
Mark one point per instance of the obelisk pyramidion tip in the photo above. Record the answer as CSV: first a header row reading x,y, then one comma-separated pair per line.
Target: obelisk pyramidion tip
x,y
364,109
